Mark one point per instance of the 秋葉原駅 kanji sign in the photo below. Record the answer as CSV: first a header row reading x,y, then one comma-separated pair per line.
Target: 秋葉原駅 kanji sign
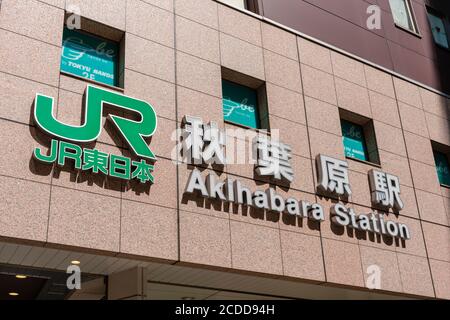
x,y
205,143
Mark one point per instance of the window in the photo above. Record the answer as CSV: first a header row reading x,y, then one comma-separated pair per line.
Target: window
x,y
251,5
91,57
237,3
403,15
354,141
437,24
358,137
442,167
244,100
240,105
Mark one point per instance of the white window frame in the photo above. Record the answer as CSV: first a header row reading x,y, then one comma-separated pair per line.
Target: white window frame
x,y
230,3
411,16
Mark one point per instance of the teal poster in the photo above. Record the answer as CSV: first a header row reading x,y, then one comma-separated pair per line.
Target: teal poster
x,y
354,142
442,168
89,57
240,105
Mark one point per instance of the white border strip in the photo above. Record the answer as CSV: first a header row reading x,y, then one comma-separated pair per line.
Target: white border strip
x,y
329,46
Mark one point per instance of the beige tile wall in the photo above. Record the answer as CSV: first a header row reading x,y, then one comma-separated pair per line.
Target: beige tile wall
x,y
173,57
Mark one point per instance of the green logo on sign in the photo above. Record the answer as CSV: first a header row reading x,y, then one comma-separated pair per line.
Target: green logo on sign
x,y
134,133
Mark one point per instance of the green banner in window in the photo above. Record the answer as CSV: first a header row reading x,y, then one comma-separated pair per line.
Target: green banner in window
x,y
240,105
354,141
89,57
442,168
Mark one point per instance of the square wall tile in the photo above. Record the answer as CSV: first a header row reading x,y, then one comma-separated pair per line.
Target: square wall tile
x,y
342,263
419,148
425,177
205,240
314,55
389,138
282,71
360,188
348,68
29,58
285,103
56,3
379,81
256,248
163,4
431,207
194,103
280,41
198,74
241,56
160,94
438,241
323,116
239,25
162,193
149,231
33,19
415,275
83,219
24,209
149,58
293,134
197,39
18,144
18,96
438,128
407,92
318,84
109,12
150,22
408,197
303,176
387,262
396,165
441,278
353,98
434,103
384,109
413,120
326,143
302,256
415,245
75,85
163,142
201,11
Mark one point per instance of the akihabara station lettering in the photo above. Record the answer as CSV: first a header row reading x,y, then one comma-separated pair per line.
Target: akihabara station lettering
x,y
232,191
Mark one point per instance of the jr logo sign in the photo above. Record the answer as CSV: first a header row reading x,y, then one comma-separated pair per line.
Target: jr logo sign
x,y
133,132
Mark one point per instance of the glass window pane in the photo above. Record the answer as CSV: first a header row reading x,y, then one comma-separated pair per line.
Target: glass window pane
x,y
240,105
90,57
237,3
442,167
354,141
401,14
438,29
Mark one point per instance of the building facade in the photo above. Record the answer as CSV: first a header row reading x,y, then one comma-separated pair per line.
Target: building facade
x,y
201,149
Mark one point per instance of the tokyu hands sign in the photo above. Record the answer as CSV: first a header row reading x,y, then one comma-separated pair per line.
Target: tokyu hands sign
x,y
134,133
